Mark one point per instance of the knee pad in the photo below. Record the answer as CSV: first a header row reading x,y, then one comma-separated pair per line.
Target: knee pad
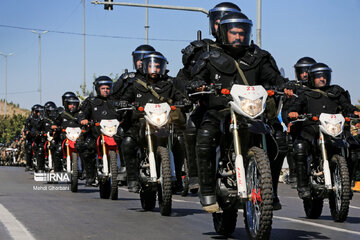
x,y
206,137
301,148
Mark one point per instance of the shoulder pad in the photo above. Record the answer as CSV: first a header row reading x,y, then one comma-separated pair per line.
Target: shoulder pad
x,y
132,75
198,43
311,93
222,62
335,91
124,76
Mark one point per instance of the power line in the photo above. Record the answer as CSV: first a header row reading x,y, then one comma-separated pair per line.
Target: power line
x,y
96,35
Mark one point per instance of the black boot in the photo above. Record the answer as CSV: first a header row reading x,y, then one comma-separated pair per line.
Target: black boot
x,y
90,171
129,148
292,170
190,149
301,170
276,166
206,160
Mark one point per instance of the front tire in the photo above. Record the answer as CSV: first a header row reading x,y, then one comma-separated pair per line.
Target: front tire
x,y
164,188
74,175
258,212
114,173
339,199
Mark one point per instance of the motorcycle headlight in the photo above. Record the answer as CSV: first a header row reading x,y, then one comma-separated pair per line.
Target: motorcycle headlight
x,y
159,118
110,131
333,129
251,107
72,137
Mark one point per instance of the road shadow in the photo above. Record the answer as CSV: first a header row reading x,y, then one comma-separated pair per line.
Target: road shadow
x,y
348,219
296,234
276,234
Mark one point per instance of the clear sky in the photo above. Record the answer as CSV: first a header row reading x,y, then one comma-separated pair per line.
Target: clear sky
x,y
327,30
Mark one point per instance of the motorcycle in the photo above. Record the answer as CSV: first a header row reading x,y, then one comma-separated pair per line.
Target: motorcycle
x,y
327,168
108,159
157,168
243,173
71,154
48,155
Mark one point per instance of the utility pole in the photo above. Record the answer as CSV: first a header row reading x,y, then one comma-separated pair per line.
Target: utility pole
x,y
84,82
258,23
39,36
147,23
6,56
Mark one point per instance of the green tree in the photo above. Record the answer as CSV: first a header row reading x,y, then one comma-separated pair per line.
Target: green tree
x,y
10,127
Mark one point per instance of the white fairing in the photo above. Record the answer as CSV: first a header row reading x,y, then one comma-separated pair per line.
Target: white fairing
x,y
73,133
331,124
157,114
49,138
248,101
109,127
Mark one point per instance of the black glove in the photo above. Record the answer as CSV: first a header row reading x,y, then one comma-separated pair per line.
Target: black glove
x,y
195,84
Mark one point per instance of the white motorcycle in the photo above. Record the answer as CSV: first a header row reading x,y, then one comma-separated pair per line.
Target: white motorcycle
x,y
327,168
108,159
157,169
243,168
72,156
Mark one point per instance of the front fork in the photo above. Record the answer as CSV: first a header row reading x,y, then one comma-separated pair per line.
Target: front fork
x,y
326,167
152,163
105,169
50,161
68,157
239,161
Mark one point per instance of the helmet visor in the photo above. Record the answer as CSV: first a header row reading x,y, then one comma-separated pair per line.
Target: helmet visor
x,y
301,73
215,15
235,32
138,56
154,64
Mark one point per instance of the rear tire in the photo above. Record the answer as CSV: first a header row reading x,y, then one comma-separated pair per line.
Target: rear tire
x,y
313,207
225,222
148,200
114,173
74,175
104,187
339,199
258,212
164,188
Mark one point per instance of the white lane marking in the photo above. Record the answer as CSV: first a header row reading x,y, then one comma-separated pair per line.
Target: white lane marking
x,y
291,219
317,225
326,202
16,230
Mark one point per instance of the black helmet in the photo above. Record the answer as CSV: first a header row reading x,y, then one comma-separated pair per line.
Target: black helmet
x,y
318,70
302,66
218,12
37,108
152,60
140,52
102,80
66,95
71,100
50,110
235,20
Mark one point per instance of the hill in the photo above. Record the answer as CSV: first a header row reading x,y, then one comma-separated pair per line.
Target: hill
x,y
12,109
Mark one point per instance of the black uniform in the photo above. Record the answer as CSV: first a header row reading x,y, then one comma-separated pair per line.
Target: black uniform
x,y
331,99
218,66
190,55
36,131
95,109
138,93
55,144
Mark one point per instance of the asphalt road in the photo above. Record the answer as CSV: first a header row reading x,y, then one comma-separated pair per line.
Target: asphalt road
x,y
35,210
